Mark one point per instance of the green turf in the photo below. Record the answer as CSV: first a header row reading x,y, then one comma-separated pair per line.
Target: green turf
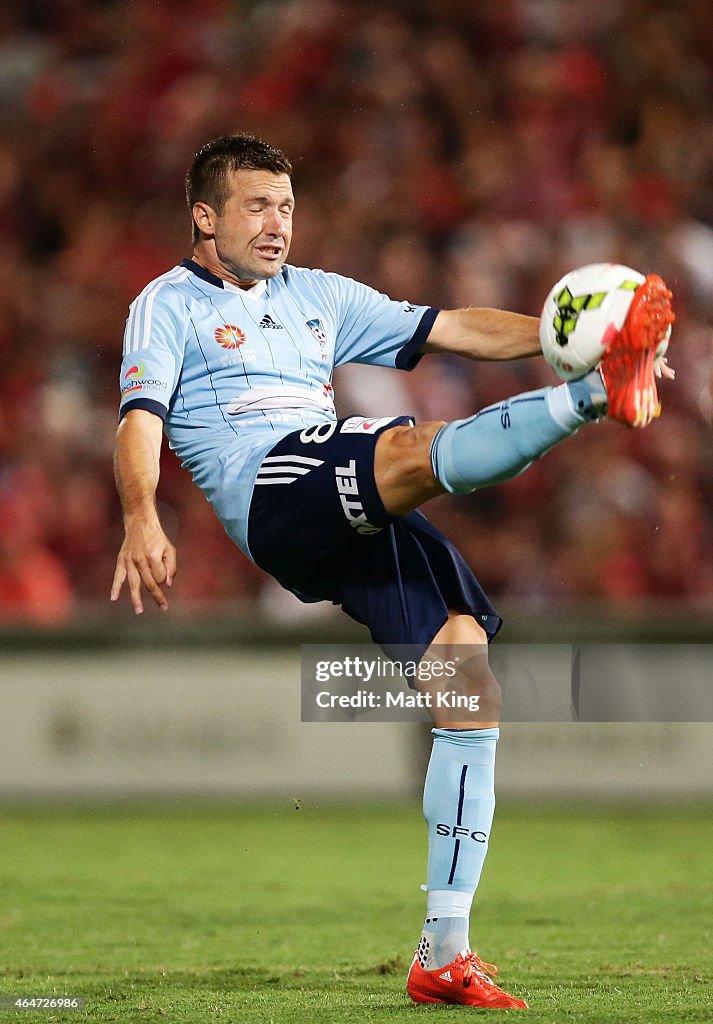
x,y
193,915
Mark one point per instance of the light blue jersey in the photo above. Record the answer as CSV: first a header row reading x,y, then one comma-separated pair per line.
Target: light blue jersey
x,y
231,371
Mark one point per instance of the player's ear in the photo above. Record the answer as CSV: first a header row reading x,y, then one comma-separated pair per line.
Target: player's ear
x,y
204,217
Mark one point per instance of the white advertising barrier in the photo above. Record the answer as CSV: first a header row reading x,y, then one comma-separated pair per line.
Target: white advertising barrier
x,y
189,722
228,723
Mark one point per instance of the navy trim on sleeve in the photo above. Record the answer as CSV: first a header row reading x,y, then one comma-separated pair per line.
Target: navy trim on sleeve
x,y
410,355
200,271
144,403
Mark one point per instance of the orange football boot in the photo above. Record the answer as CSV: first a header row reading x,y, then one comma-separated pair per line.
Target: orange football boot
x,y
627,367
467,981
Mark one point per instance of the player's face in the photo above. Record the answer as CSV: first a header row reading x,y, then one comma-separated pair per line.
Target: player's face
x,y
253,234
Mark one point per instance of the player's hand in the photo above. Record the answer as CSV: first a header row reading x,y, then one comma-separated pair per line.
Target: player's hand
x,y
148,558
662,369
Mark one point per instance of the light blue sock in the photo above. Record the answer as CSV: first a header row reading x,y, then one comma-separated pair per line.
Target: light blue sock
x,y
458,804
503,440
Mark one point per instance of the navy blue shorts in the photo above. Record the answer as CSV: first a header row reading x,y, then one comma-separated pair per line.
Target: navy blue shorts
x,y
317,524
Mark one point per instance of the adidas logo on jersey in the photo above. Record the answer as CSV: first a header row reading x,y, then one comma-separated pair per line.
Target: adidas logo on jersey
x,y
268,322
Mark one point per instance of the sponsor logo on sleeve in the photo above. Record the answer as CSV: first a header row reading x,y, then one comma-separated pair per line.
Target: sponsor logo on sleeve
x,y
134,372
134,380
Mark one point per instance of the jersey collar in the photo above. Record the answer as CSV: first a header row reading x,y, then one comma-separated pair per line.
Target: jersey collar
x,y
257,289
201,272
248,293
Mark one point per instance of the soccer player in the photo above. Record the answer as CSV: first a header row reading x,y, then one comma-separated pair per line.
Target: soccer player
x,y
232,354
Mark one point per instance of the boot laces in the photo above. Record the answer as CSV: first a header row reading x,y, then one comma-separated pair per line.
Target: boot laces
x,y
474,967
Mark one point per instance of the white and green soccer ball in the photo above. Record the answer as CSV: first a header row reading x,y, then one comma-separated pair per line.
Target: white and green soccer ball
x,y
583,314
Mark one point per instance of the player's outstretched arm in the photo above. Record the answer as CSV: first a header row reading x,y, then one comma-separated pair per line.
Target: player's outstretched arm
x,y
147,556
484,334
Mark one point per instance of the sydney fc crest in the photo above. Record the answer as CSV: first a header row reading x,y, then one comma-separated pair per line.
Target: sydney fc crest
x,y
317,328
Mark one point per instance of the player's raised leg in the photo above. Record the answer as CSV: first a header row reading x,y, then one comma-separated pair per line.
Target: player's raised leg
x,y
501,441
414,464
458,805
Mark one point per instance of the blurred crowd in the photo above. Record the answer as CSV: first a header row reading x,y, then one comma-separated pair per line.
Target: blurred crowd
x,y
446,152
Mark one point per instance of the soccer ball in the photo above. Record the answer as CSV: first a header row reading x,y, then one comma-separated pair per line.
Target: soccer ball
x,y
583,314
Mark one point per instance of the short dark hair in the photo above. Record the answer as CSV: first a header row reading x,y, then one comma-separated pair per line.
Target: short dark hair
x,y
207,177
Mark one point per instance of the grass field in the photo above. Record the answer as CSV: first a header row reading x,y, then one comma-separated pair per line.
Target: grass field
x,y
273,915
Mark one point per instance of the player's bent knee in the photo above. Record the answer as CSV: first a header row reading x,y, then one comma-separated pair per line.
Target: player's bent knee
x,y
479,679
470,698
402,467
469,694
